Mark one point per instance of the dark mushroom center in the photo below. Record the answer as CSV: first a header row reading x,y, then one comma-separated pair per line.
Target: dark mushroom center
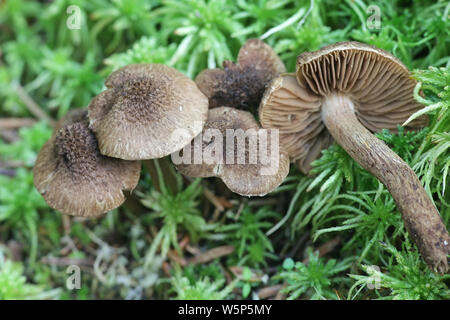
x,y
77,148
142,98
240,87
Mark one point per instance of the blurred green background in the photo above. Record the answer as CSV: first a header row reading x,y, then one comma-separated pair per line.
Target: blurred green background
x,y
336,235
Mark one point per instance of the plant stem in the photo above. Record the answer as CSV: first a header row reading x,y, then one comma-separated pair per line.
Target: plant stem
x,y
169,177
32,106
421,218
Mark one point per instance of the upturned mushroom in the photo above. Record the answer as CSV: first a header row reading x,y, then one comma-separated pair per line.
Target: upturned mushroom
x,y
241,85
139,114
349,90
74,177
233,147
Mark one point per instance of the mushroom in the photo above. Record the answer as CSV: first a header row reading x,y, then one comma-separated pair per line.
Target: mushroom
x,y
241,85
72,175
348,90
139,114
233,147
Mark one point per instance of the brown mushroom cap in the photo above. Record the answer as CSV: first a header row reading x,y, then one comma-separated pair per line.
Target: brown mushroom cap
x,y
245,178
145,104
74,178
241,85
379,85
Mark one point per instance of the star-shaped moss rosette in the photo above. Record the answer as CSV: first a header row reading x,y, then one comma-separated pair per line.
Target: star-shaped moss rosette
x,y
241,85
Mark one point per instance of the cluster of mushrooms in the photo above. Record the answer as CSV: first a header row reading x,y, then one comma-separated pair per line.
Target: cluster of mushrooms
x,y
342,93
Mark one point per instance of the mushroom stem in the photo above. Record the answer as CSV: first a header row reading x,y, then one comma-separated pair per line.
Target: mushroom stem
x,y
421,218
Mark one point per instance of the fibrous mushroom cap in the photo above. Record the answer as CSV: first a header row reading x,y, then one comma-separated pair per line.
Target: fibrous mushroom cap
x,y
379,85
74,178
259,55
241,85
147,112
251,178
